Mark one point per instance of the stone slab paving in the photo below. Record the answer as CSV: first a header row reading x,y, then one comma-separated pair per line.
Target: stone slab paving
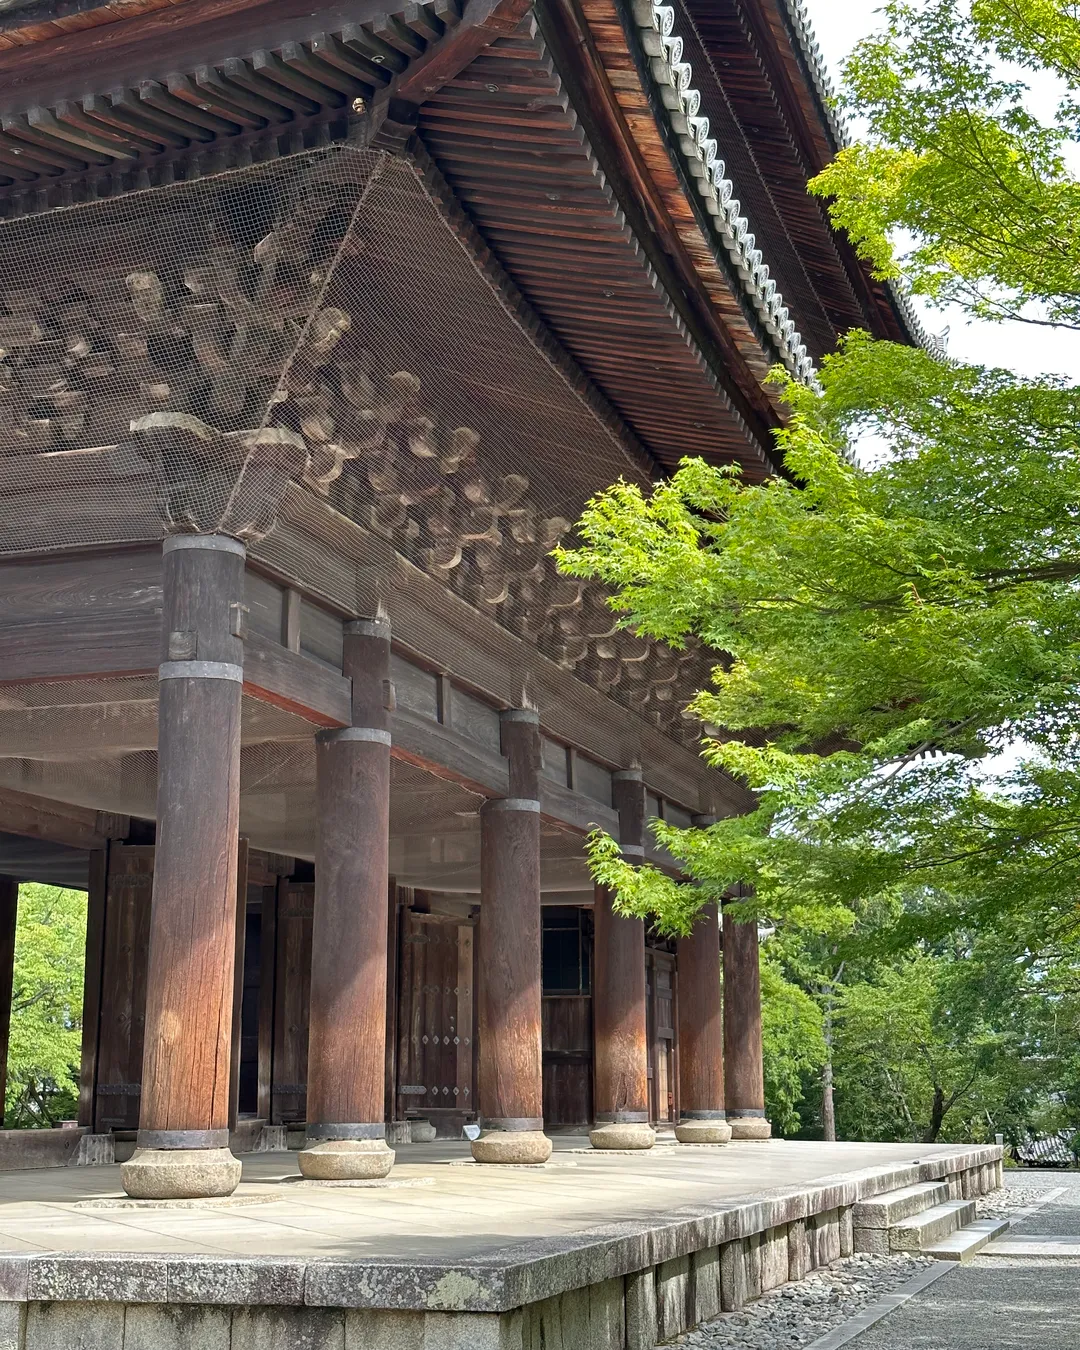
x,y
457,1213
1026,1301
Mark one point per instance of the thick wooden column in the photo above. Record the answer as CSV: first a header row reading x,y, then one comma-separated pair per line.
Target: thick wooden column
x,y
621,1072
184,1118
509,993
701,1034
743,1072
9,907
346,1076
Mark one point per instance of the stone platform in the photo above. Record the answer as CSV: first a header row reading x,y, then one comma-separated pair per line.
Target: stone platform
x,y
594,1251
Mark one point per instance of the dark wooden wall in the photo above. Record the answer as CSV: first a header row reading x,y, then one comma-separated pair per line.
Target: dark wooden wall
x,y
567,1018
118,943
568,1058
288,1081
661,1022
436,1049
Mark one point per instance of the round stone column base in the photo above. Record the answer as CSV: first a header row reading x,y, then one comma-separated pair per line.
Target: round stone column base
x,y
423,1132
512,1146
346,1160
703,1132
622,1136
749,1127
180,1173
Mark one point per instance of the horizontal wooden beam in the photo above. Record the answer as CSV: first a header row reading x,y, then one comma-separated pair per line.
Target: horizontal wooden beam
x,y
295,683
81,615
428,619
58,823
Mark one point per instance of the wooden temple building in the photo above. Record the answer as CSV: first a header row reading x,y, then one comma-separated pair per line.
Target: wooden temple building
x,y
318,328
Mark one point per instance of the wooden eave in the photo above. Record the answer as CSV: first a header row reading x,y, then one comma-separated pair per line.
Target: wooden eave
x,y
620,289
774,88
514,145
598,50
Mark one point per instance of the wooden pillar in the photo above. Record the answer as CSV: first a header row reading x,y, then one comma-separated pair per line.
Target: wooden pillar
x,y
346,1076
509,993
9,906
701,1035
621,1072
184,1118
743,1071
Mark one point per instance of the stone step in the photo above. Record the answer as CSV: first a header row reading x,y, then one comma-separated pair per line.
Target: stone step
x,y
883,1211
925,1229
965,1242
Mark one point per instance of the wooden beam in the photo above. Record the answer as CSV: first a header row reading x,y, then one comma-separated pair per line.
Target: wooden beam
x,y
482,653
189,996
700,1023
447,754
580,813
508,1001
744,1082
346,1076
621,1063
482,22
295,682
75,615
56,822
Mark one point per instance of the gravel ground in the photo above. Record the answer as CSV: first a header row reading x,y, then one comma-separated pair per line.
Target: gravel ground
x,y
1019,1193
797,1314
993,1306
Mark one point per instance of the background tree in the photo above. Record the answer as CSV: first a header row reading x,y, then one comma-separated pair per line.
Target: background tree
x,y
895,626
792,1045
46,1008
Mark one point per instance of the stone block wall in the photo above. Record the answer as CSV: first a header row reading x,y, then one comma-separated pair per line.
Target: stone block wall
x,y
630,1287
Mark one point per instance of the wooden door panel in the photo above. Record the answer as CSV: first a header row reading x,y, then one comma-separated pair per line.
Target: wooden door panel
x,y
660,995
296,903
125,956
567,1044
436,1043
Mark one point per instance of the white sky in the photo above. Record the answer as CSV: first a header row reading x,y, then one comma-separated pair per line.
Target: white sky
x,y
1026,348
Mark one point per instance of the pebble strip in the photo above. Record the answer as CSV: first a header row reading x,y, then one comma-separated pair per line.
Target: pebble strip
x,y
797,1314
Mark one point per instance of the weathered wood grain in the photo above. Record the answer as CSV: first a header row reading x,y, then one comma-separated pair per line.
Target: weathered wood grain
x,y
193,925
238,980
92,987
124,971
619,1005
744,1084
509,994
701,1016
347,1029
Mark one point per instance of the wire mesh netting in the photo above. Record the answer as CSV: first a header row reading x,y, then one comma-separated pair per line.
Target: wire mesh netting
x,y
173,359
212,355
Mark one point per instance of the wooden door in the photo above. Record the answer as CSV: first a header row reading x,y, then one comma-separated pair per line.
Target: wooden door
x,y
125,951
292,1001
568,1058
660,970
436,1042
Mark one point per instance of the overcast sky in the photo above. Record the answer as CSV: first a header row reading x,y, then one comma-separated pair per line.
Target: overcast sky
x,y
839,24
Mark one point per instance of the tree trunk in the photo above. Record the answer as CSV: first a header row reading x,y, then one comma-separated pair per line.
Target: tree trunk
x,y
937,1115
828,1113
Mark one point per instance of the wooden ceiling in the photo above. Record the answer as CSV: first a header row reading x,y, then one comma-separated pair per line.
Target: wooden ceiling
x,y
541,120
